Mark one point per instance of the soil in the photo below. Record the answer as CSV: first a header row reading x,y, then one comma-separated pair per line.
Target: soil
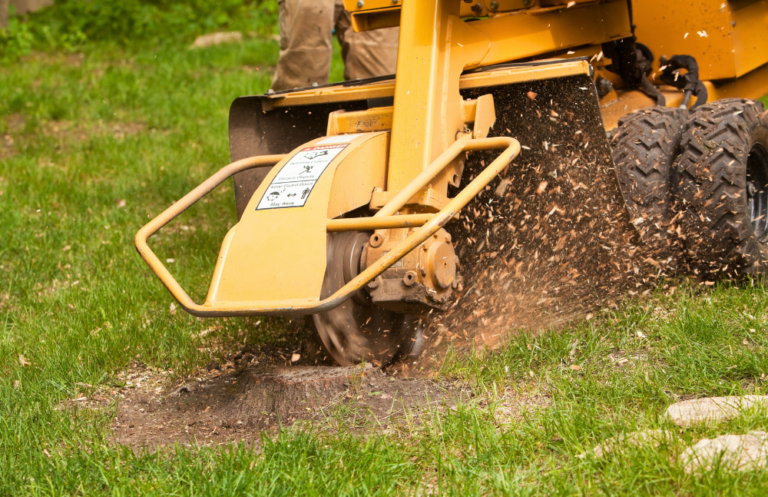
x,y
238,403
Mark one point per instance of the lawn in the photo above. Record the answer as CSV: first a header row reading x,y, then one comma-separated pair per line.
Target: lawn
x,y
96,140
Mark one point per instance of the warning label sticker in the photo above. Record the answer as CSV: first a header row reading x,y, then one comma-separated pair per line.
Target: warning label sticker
x,y
295,181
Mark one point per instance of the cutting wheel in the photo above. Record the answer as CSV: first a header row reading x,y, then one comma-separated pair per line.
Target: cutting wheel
x,y
358,330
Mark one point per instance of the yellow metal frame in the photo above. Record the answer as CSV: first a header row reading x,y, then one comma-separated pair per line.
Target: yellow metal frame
x,y
728,39
480,112
427,130
375,14
468,81
429,225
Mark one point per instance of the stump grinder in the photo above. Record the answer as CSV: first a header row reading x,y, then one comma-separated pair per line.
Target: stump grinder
x,y
529,160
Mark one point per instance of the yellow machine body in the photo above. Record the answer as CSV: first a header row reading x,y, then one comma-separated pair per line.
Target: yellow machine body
x,y
400,144
728,38
297,255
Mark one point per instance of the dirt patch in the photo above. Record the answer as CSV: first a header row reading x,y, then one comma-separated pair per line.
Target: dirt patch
x,y
62,132
238,404
65,132
15,123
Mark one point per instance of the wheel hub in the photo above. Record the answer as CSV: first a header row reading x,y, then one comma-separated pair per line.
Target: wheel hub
x,y
757,190
421,281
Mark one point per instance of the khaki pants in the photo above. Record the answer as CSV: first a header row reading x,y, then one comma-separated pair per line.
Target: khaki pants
x,y
306,33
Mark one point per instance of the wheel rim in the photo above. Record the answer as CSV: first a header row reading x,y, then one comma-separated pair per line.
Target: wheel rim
x,y
358,330
757,191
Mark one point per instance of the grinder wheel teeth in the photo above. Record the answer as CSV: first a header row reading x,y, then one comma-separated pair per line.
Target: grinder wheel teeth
x,y
358,330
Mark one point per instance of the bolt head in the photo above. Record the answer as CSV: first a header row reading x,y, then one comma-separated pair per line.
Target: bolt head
x,y
376,240
360,4
494,5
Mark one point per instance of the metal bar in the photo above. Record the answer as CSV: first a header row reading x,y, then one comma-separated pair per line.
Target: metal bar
x,y
435,47
427,100
414,187
423,179
502,76
179,207
378,223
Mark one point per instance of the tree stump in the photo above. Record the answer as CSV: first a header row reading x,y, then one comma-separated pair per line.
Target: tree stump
x,y
287,392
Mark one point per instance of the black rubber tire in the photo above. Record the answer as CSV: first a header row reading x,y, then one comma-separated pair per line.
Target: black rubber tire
x,y
721,144
645,145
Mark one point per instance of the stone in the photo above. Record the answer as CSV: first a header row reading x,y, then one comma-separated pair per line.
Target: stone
x,y
712,409
217,39
733,452
636,438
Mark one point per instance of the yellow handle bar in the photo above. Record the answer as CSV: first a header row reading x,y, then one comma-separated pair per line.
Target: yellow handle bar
x,y
430,224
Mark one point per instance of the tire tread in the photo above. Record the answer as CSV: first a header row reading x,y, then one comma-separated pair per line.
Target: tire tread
x,y
644,148
714,214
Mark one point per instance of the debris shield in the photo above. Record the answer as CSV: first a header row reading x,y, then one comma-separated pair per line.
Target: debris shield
x,y
551,239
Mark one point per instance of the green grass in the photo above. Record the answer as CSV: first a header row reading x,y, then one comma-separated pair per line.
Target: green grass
x,y
78,304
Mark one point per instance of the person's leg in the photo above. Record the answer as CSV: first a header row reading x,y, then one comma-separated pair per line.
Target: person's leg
x,y
306,28
368,54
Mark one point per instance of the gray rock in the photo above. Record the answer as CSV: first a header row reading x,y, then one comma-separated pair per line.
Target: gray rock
x,y
712,409
217,39
733,452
